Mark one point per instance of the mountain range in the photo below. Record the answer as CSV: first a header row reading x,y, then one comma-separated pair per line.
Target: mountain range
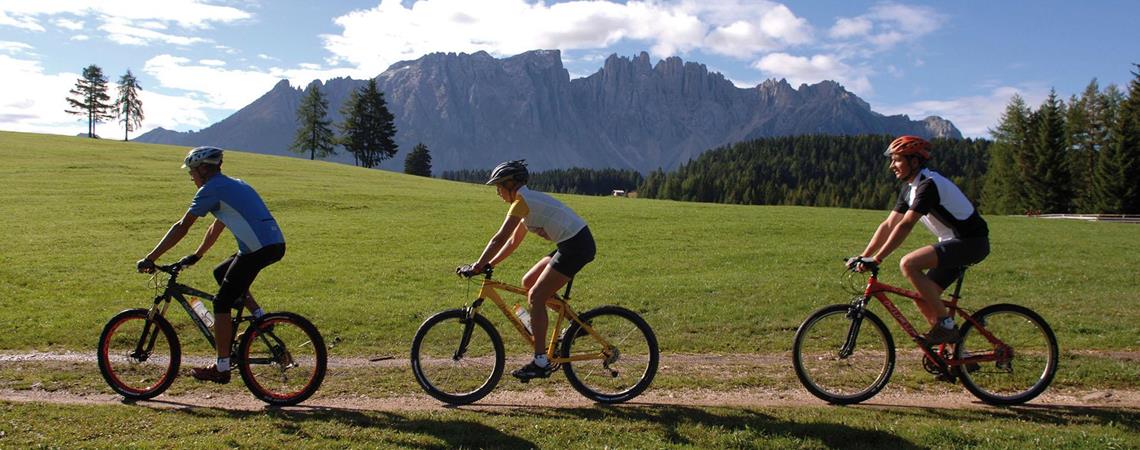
x,y
474,110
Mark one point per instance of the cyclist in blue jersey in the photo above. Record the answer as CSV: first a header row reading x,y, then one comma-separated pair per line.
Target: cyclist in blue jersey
x,y
963,236
547,217
234,205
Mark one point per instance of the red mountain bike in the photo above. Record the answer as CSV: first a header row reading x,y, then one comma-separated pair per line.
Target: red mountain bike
x,y
844,354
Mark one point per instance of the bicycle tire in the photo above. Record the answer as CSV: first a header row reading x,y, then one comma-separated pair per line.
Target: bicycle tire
x,y
120,368
831,377
457,380
1034,361
282,358
636,351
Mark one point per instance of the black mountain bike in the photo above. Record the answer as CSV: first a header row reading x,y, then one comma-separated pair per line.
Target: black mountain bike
x,y
281,356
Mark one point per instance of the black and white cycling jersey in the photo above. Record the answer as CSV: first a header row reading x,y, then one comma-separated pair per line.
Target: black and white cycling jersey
x,y
945,210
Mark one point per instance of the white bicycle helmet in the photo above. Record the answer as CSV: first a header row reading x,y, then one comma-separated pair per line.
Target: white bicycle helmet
x,y
202,155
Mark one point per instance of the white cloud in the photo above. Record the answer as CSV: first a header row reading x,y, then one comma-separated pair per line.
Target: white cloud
x,y
800,69
973,115
13,47
30,108
71,25
846,27
737,28
884,26
127,22
124,33
230,89
212,62
80,37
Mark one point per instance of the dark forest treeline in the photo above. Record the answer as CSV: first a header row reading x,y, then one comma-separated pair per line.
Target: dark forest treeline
x,y
569,181
842,171
1083,156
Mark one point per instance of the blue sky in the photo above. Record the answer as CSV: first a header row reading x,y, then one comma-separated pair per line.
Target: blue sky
x,y
201,60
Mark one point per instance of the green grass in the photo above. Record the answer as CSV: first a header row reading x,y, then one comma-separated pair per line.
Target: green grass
x,y
371,254
22,425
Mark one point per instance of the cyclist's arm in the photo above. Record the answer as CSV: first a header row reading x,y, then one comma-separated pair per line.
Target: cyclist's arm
x,y
512,243
498,241
173,236
882,233
898,234
211,236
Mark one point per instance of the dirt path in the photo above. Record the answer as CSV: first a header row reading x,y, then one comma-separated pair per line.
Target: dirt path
x,y
564,397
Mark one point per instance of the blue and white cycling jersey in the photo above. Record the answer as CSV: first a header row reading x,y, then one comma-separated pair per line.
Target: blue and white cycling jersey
x,y
239,207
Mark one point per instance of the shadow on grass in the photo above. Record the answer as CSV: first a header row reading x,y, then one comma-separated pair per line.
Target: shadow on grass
x,y
1060,415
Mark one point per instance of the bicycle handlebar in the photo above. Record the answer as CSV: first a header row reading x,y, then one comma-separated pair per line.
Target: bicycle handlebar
x,y
854,263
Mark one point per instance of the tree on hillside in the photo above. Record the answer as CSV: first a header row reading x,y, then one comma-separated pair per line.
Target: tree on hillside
x,y
418,161
314,132
128,107
1049,181
369,129
1118,165
1002,193
89,97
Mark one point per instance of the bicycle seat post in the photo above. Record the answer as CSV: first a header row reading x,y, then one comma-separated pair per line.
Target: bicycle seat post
x,y
958,286
566,295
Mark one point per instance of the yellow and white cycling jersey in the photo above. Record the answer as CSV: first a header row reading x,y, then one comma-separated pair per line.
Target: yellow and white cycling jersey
x,y
545,216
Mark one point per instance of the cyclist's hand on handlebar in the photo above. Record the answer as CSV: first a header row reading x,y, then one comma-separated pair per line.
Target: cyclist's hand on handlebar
x,y
189,260
145,266
861,263
466,270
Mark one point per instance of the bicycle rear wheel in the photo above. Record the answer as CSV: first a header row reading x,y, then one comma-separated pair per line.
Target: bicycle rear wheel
x,y
630,363
821,364
138,358
282,358
452,369
1032,360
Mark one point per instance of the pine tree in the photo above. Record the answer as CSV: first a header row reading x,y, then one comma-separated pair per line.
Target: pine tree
x,y
369,129
1049,181
90,98
1003,191
1118,165
314,133
418,161
128,107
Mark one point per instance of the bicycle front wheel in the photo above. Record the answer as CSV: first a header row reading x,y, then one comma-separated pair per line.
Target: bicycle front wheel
x,y
843,360
1024,368
282,358
456,360
622,371
138,358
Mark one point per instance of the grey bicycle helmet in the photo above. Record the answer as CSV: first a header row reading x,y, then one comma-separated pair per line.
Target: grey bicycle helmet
x,y
510,170
202,155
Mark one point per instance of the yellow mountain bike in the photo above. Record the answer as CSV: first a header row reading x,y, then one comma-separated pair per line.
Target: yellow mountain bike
x,y
609,354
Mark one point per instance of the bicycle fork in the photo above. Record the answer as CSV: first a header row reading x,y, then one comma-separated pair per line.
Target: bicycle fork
x,y
856,316
468,328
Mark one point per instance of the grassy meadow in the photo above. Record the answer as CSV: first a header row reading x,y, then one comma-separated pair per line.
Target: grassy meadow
x,y
371,254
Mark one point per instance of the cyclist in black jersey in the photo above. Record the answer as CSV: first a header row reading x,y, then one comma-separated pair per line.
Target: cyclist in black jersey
x,y
963,236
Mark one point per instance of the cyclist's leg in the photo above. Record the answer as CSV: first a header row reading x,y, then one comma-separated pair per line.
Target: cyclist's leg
x,y
914,266
531,277
547,283
235,285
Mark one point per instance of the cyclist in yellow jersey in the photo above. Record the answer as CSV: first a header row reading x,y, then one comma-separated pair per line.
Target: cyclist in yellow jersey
x,y
547,217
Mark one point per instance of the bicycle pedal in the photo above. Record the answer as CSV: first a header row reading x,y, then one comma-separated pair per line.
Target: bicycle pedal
x,y
949,378
972,367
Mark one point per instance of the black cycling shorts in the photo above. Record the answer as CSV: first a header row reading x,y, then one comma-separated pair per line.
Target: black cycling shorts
x,y
953,257
573,254
236,274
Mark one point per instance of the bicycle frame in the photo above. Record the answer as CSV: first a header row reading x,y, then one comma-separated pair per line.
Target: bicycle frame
x,y
879,290
180,292
489,288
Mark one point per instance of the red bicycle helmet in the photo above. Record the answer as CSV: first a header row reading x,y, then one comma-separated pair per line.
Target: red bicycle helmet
x,y
909,146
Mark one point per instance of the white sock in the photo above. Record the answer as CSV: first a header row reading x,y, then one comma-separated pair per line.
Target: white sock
x,y
541,361
223,364
257,313
947,323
